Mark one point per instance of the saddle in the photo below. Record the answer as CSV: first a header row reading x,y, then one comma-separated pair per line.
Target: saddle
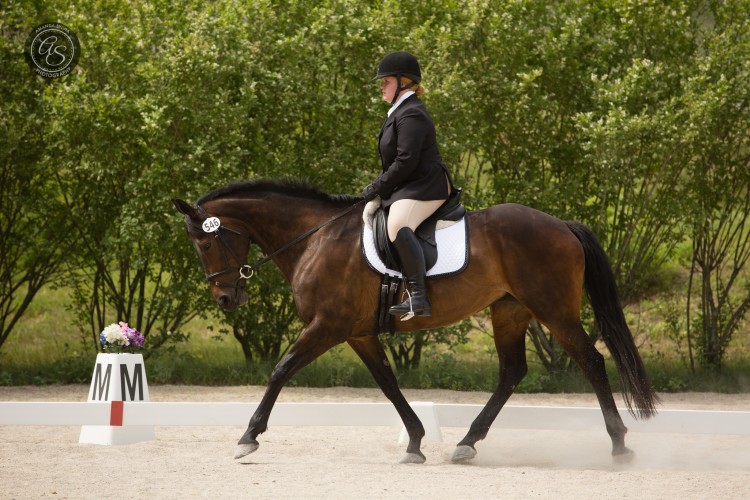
x,y
452,211
449,221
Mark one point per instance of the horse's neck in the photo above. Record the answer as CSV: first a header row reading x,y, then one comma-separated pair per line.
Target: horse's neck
x,y
275,221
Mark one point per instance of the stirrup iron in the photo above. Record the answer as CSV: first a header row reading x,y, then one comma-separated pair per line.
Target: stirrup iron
x,y
410,314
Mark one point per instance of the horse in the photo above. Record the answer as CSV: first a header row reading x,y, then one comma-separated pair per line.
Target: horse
x,y
523,264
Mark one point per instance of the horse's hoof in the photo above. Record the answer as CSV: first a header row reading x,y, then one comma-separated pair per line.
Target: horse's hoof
x,y
413,458
463,453
245,449
624,457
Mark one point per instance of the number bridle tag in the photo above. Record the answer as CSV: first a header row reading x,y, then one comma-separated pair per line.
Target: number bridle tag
x,y
211,224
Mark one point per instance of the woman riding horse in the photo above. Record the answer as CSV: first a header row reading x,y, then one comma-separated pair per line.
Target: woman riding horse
x,y
414,182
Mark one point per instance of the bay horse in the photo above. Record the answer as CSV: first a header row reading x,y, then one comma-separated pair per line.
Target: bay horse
x,y
523,264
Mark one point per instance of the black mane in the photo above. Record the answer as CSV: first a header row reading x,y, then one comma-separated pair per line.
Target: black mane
x,y
289,186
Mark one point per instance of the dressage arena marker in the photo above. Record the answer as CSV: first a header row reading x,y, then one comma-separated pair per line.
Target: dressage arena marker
x,y
117,378
137,416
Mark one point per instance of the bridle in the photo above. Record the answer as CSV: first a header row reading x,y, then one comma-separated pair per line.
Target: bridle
x,y
246,271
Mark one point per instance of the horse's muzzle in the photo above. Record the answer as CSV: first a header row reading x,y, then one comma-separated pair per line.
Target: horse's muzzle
x,y
230,302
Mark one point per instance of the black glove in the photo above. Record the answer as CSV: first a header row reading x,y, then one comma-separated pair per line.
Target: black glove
x,y
369,192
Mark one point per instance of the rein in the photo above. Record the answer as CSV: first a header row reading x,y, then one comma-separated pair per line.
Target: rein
x,y
246,271
302,237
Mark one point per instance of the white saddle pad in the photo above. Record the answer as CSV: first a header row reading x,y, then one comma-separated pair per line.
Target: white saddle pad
x,y
453,252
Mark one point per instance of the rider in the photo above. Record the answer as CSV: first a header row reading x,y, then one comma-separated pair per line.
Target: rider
x,y
414,182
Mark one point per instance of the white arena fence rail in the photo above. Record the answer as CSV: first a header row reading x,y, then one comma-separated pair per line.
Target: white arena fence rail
x,y
107,419
433,416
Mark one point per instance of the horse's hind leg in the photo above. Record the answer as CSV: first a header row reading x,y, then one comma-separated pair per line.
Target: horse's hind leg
x,y
370,350
509,322
579,346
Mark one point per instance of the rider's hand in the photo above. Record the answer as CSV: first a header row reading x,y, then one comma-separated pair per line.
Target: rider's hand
x,y
369,192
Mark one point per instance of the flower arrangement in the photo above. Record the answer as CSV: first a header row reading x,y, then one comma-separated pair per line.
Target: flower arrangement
x,y
120,337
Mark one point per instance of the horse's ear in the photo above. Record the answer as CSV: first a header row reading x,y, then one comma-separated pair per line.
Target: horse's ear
x,y
185,208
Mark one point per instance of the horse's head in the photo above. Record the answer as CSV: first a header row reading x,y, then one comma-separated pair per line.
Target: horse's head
x,y
222,248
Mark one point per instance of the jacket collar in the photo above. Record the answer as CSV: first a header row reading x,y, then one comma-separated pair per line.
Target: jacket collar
x,y
401,99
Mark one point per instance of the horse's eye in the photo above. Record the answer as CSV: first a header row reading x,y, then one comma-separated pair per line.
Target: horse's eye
x,y
206,245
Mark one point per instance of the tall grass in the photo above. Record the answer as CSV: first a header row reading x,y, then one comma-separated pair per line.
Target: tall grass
x,y
47,348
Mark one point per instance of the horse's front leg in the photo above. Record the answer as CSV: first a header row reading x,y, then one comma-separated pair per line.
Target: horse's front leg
x,y
311,344
370,350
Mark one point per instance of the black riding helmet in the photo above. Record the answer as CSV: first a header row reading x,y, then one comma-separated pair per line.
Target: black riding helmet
x,y
399,64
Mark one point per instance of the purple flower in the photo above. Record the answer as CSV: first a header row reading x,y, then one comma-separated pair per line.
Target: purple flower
x,y
135,338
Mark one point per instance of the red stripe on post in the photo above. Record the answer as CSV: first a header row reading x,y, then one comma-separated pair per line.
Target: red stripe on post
x,y
115,414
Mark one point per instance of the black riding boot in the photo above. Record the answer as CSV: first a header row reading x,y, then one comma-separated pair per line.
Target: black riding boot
x,y
412,262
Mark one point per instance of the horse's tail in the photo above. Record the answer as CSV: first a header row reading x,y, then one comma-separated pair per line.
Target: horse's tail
x,y
599,281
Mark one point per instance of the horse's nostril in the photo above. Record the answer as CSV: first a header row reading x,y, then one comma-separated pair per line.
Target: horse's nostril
x,y
223,301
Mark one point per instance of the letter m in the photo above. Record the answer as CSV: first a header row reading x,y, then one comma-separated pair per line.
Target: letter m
x,y
101,385
137,379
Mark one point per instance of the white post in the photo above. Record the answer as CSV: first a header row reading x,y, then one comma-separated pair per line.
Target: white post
x,y
427,413
117,378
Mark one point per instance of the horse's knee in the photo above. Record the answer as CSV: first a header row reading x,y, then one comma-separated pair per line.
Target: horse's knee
x,y
280,372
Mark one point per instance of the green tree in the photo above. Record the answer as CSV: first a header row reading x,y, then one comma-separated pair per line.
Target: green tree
x,y
325,58
718,100
155,109
570,108
33,228
635,145
627,116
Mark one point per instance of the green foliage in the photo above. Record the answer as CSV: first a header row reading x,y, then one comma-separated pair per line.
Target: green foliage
x,y
628,116
44,354
445,371
716,100
33,227
406,348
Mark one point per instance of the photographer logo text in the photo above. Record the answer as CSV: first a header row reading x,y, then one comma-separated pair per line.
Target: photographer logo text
x,y
52,50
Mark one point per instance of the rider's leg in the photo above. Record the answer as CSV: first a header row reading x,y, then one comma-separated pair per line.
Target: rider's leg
x,y
403,219
409,213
